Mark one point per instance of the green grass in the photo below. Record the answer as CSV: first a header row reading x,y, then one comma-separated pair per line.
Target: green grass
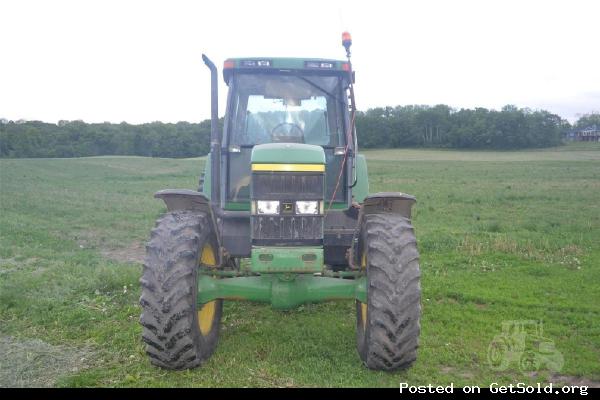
x,y
504,236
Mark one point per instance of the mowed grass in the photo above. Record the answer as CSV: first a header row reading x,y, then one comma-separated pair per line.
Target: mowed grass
x,y
508,236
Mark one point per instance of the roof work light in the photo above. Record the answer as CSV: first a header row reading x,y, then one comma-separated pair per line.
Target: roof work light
x,y
346,41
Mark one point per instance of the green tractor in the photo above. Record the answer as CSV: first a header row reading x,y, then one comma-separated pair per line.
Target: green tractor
x,y
283,216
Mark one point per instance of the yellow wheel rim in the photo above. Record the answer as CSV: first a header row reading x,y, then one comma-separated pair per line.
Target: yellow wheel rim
x,y
363,314
363,306
206,314
207,257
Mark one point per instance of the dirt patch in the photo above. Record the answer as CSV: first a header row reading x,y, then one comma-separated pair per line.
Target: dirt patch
x,y
35,363
569,380
133,253
574,381
447,370
8,265
86,239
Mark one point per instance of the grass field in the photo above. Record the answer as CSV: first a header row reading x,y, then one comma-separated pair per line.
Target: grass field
x,y
503,236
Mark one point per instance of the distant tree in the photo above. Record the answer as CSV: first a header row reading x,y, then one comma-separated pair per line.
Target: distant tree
x,y
588,120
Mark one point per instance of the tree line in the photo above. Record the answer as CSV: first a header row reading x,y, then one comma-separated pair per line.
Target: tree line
x,y
80,139
442,126
383,127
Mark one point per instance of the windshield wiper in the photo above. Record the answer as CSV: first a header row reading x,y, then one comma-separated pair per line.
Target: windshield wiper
x,y
320,88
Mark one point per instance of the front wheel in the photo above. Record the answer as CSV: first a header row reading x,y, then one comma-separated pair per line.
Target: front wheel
x,y
388,325
178,333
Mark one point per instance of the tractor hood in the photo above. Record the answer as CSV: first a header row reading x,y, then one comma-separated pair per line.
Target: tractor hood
x,y
287,153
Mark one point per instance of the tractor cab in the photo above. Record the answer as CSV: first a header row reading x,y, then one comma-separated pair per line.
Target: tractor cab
x,y
287,149
283,100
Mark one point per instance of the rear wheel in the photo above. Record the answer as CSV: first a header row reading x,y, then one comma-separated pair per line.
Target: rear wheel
x,y
388,325
178,333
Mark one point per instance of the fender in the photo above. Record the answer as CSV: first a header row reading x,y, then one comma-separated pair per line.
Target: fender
x,y
379,203
388,202
184,199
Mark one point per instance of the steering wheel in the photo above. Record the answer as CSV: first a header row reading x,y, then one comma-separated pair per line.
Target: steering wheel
x,y
294,133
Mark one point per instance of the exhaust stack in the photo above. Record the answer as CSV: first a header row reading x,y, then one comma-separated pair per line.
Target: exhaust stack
x,y
215,138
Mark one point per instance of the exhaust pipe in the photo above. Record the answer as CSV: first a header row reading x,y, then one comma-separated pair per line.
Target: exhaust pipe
x,y
215,138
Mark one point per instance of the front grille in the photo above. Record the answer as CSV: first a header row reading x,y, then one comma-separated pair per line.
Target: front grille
x,y
287,228
287,185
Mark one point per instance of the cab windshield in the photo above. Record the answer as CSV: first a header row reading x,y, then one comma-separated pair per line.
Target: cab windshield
x,y
277,108
269,108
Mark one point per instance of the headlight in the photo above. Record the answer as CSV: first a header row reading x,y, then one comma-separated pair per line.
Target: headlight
x,y
267,206
307,207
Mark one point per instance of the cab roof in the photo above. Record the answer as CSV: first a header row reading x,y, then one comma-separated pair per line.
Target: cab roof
x,y
265,64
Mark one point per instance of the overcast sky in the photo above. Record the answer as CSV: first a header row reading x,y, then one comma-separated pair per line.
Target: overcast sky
x,y
140,61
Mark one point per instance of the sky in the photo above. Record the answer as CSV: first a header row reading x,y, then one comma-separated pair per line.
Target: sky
x,y
140,61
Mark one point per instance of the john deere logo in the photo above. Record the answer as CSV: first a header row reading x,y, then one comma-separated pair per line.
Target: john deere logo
x,y
522,344
287,207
